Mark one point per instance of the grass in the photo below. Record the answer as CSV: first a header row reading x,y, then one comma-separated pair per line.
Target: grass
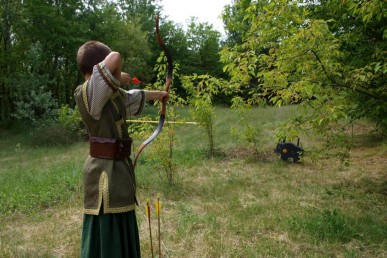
x,y
232,205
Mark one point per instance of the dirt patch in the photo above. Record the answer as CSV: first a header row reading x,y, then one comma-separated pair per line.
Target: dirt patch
x,y
245,153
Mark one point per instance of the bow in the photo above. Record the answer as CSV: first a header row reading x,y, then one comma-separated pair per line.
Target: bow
x,y
166,88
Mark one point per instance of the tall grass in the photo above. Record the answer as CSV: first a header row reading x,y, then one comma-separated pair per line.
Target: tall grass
x,y
35,178
232,205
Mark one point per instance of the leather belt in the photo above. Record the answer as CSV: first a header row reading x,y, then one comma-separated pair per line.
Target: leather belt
x,y
108,148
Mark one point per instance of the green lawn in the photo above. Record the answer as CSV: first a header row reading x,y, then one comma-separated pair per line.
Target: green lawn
x,y
236,204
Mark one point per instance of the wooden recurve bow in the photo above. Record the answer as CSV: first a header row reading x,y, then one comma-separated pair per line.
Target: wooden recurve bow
x,y
166,88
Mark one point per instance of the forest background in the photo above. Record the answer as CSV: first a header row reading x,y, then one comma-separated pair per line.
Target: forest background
x,y
326,56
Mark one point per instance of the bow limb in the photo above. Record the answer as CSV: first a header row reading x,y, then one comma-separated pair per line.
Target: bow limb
x,y
166,88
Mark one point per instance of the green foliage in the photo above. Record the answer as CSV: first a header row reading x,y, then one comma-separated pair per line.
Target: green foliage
x,y
142,12
365,67
203,41
201,90
235,24
59,28
290,55
161,69
203,112
39,105
244,129
70,119
35,104
140,130
161,152
132,43
64,128
33,101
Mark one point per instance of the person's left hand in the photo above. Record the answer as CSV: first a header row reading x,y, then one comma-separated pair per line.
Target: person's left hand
x,y
164,96
125,78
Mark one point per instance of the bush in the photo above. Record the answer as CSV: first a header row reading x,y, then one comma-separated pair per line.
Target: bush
x,y
53,134
70,119
33,100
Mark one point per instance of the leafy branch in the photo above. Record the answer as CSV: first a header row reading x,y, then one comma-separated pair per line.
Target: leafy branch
x,y
341,84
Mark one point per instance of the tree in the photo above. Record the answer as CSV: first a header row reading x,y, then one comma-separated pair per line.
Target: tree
x,y
288,55
204,44
33,102
58,28
9,14
143,12
235,24
195,50
361,28
55,25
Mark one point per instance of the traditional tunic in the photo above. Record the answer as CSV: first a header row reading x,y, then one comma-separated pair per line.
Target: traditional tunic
x,y
109,226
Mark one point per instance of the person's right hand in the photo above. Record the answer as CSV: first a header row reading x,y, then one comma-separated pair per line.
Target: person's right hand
x,y
125,78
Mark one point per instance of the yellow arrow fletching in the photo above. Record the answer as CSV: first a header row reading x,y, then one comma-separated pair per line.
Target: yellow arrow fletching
x,y
158,207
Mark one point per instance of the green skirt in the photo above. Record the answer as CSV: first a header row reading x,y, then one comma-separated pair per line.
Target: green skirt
x,y
110,235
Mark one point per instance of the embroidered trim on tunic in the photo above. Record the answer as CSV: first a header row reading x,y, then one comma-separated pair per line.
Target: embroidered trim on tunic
x,y
84,96
103,193
119,127
107,76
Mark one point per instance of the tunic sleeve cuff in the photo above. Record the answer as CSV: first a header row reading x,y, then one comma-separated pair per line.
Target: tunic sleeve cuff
x,y
142,103
134,102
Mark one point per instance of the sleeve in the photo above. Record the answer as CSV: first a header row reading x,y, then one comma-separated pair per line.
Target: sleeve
x,y
101,86
134,101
